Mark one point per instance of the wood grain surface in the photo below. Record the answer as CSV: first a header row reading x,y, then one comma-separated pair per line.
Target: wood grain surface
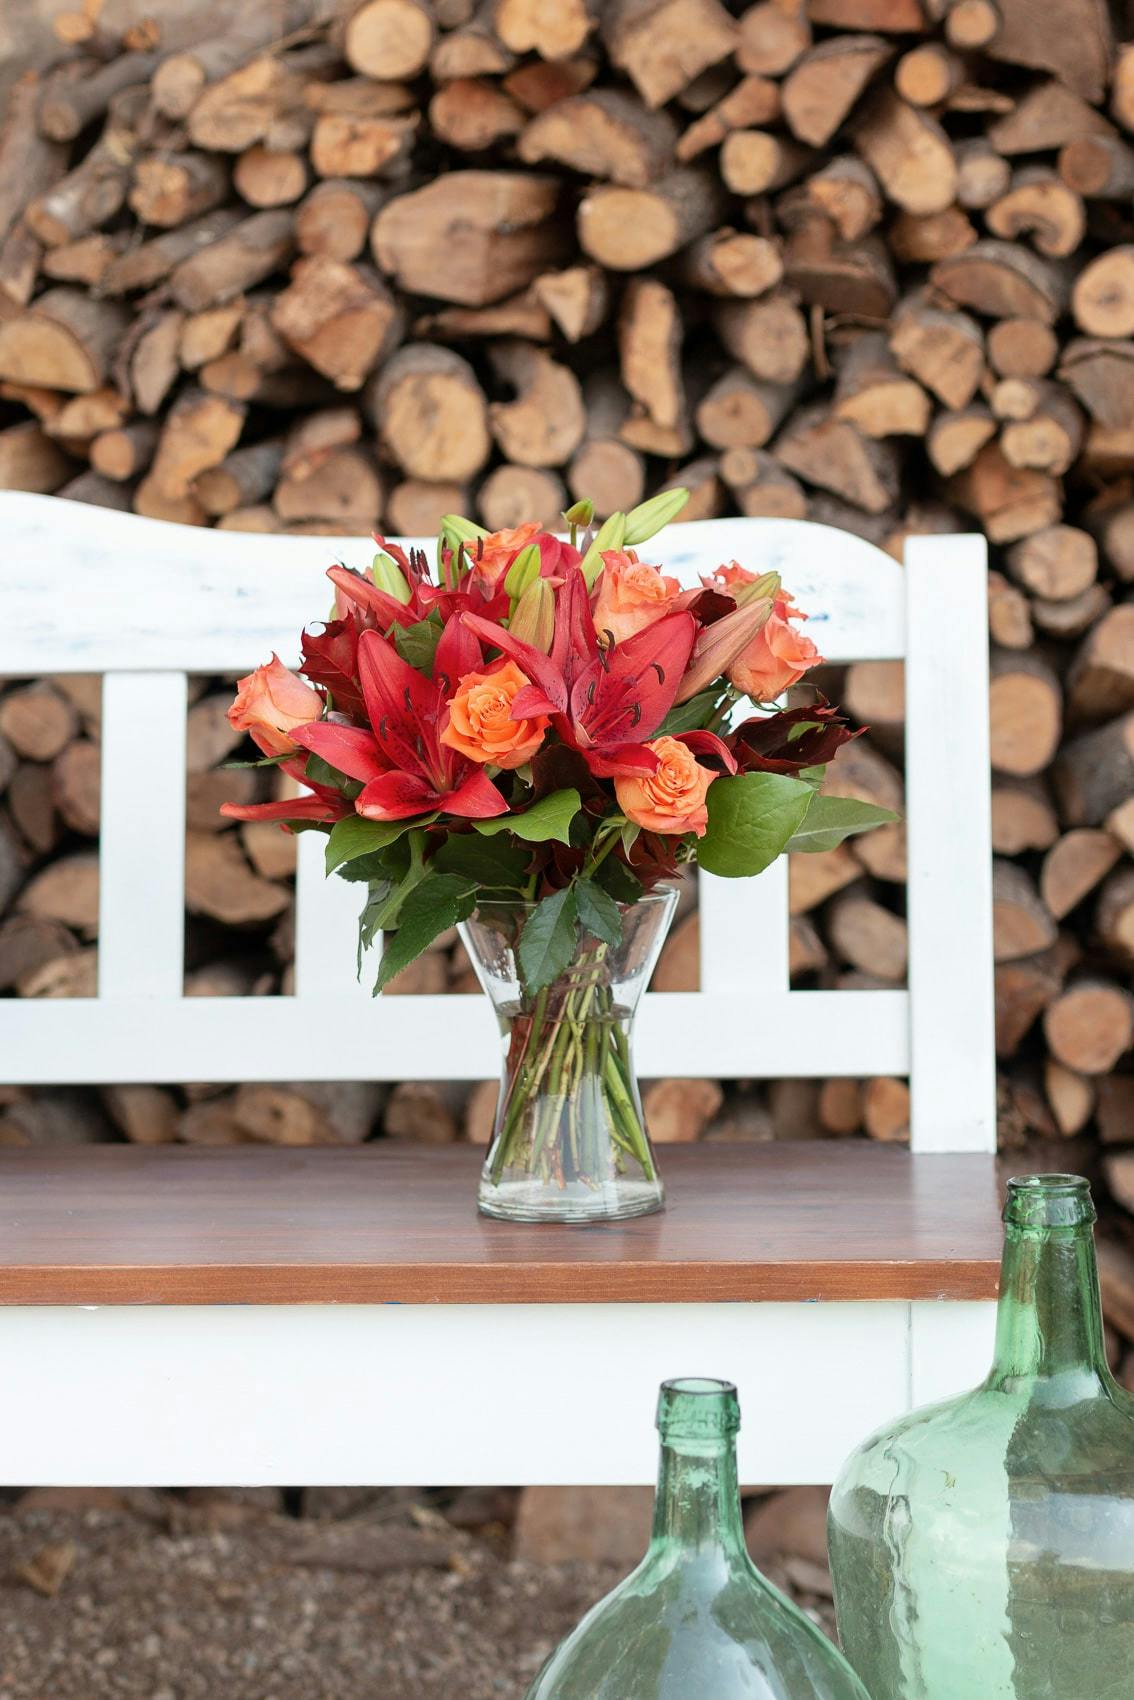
x,y
390,1223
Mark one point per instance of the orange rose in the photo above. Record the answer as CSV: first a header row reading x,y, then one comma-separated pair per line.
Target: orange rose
x,y
492,554
480,718
672,798
777,657
631,595
270,703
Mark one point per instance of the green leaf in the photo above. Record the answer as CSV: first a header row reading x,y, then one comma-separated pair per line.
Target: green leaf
x,y
417,644
353,837
751,818
264,761
368,924
619,881
648,518
831,819
598,912
547,943
551,817
440,901
813,776
494,867
689,716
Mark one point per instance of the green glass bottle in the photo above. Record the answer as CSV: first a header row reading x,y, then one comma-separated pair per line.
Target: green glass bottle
x,y
983,1548
696,1620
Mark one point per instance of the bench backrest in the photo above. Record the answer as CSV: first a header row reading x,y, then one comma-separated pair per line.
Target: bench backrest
x,y
87,590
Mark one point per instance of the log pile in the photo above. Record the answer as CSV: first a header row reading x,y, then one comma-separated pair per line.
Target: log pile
x,y
357,264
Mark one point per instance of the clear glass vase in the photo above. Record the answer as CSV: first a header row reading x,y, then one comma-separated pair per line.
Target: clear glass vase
x,y
570,1141
983,1548
696,1620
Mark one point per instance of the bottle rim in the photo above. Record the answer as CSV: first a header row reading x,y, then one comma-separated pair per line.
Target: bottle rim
x,y
1049,1200
697,1408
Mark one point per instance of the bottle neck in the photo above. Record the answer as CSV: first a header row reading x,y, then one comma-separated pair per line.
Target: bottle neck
x,y
1049,1332
697,1511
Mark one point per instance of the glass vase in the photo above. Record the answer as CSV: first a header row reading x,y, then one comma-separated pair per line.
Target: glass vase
x,y
570,1141
983,1548
696,1620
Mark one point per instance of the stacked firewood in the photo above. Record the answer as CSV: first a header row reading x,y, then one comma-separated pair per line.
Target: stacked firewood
x,y
870,262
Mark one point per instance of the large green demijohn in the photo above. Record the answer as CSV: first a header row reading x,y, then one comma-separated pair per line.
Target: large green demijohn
x,y
696,1620
983,1549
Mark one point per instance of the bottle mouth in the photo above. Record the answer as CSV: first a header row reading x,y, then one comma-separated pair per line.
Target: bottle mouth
x,y
1049,1201
696,1408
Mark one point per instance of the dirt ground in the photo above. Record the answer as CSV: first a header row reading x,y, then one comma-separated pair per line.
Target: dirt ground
x,y
173,1598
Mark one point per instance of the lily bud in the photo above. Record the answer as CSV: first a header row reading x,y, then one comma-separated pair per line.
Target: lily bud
x,y
718,645
581,512
611,534
388,576
533,618
455,530
648,518
761,589
524,569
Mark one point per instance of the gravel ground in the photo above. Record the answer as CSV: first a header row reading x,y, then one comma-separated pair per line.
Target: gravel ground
x,y
164,1604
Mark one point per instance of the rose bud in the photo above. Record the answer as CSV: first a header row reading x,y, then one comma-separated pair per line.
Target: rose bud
x,y
270,703
777,657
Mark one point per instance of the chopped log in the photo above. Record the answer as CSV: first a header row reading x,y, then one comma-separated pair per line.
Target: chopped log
x,y
1049,116
312,438
753,102
1022,348
740,411
1102,299
69,104
100,492
1011,502
1101,374
869,937
925,238
840,1106
431,413
814,878
207,335
250,252
1114,918
124,451
220,883
576,299
182,77
663,44
1074,38
1074,866
1003,281
472,50
554,31
1021,921
67,891
266,177
29,163
1089,1026
415,508
875,395
983,175
81,417
76,785
472,114
1022,818
341,319
29,460
1024,989
1040,205
604,133
63,341
546,422
890,16
20,257
537,86
37,722
769,337
628,229
519,316
145,1115
772,36
470,236
761,487
886,1110
1025,714
678,1111
258,518
807,953
1058,563
649,342
754,162
825,83
928,74
1071,618
853,278
261,101
334,220
846,191
170,189
246,476
1099,167
1100,682
86,261
1009,614
345,144
28,944
956,438
1071,1097
1122,86
153,261
1095,773
89,196
909,153
831,453
513,494
943,351
732,263
1050,437
332,1113
31,807
198,433
344,493
389,39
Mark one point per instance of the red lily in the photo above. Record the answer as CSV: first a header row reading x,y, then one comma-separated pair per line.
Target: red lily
x,y
404,768
324,805
605,703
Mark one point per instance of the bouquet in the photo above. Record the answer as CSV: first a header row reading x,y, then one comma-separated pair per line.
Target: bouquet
x,y
532,737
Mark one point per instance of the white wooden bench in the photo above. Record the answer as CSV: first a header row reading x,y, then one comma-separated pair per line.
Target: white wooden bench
x,y
183,1316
